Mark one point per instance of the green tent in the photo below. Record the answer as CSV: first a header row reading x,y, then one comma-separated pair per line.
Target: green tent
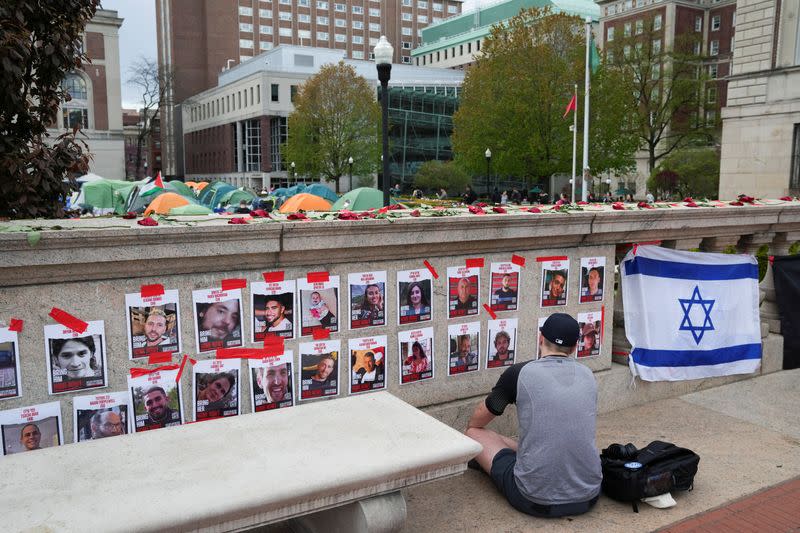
x,y
360,199
140,203
235,196
180,188
322,191
191,209
106,196
211,194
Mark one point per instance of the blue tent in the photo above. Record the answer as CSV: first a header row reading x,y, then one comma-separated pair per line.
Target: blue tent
x,y
322,191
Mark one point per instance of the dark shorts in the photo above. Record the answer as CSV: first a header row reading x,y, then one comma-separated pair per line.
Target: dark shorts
x,y
503,476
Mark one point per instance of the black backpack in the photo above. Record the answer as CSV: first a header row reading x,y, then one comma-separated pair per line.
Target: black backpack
x,y
630,474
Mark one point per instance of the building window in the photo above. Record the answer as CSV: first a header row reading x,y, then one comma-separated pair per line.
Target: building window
x,y
285,32
322,5
656,46
357,39
423,19
340,23
610,33
358,10
245,43
610,56
304,3
278,137
639,27
274,89
452,9
340,38
698,23
341,8
626,51
713,71
265,30
436,20
322,21
252,145
372,42
75,117
697,49
407,17
374,12
794,181
265,13
713,48
304,18
478,45
304,34
711,95
358,54
626,29
246,27
406,59
406,31
656,72
75,85
715,23
469,48
292,92
711,117
733,19
358,25
286,2
245,11
657,22
283,15
437,7
322,36
373,26
422,4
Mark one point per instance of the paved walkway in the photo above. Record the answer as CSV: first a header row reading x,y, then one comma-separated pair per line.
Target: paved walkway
x,y
774,509
746,433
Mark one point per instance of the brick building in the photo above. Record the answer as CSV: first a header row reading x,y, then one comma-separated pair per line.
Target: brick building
x,y
198,39
151,145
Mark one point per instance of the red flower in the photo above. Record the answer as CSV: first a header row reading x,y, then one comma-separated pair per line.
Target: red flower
x,y
415,213
560,203
688,199
129,215
367,214
746,199
344,214
482,204
691,204
534,210
737,203
147,222
786,198
476,210
237,220
296,216
259,213
583,203
499,210
644,205
618,206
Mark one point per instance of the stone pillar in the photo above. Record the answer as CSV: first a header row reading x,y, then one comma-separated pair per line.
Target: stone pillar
x,y
620,347
783,241
719,244
749,244
379,514
683,244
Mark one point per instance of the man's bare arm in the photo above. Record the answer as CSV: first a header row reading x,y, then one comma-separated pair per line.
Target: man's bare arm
x,y
481,416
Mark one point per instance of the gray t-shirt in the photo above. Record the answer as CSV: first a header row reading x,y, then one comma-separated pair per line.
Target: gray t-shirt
x,y
556,397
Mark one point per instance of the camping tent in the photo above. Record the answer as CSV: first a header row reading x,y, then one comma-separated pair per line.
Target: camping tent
x,y
164,202
321,191
235,196
180,188
190,209
211,195
360,199
305,202
104,196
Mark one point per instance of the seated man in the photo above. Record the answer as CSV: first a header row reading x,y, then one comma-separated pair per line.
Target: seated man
x,y
555,469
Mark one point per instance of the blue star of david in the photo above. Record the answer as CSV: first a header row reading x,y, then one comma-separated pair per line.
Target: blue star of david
x,y
686,324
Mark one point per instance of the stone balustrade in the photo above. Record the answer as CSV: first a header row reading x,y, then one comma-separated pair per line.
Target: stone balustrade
x,y
87,266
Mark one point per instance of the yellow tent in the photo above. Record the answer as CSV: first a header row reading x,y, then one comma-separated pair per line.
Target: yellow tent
x,y
305,202
164,202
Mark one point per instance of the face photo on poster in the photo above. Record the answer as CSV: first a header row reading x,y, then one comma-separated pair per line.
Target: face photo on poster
x,y
319,369
504,288
367,364
271,382
75,361
218,319
590,341
156,400
501,342
540,323
99,416
367,293
153,323
592,279
31,428
416,355
464,340
463,291
272,306
215,388
555,277
10,377
319,305
414,296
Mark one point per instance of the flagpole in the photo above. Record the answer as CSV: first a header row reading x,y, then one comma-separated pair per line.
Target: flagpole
x,y
574,142
584,192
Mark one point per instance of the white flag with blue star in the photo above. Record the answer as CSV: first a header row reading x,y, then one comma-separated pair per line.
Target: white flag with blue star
x,y
690,315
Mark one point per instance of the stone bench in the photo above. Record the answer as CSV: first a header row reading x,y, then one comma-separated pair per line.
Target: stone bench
x,y
332,465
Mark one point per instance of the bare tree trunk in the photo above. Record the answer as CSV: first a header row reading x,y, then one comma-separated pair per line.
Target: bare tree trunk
x,y
138,156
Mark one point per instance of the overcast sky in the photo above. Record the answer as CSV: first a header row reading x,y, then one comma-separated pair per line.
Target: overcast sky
x,y
137,37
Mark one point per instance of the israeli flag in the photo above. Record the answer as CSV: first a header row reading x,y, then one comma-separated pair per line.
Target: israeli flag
x,y
690,315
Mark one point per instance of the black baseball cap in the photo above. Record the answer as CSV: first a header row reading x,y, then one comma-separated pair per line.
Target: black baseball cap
x,y
561,329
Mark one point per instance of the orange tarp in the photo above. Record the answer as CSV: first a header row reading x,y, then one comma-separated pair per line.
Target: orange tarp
x,y
163,203
200,185
305,202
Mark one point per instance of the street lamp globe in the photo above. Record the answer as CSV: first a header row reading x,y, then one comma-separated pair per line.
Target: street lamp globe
x,y
350,160
488,153
383,51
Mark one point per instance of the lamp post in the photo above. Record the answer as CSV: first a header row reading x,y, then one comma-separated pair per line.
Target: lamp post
x,y
145,168
294,173
383,53
488,155
350,163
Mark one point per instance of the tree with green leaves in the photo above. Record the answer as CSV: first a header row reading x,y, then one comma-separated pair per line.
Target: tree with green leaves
x,y
434,175
665,86
688,172
39,45
515,95
335,117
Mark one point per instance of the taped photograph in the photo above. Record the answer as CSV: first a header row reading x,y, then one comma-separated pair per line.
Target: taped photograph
x,y
217,319
215,388
416,355
31,428
272,306
153,324
414,296
156,400
367,292
319,369
271,382
99,416
367,364
75,361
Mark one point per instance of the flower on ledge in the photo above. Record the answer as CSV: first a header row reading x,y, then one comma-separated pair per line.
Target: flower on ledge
x,y
344,214
499,209
237,220
746,199
533,210
476,210
786,198
147,222
644,205
297,216
618,206
259,213
415,213
129,215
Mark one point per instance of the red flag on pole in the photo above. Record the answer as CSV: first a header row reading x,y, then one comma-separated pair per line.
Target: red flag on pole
x,y
570,106
159,183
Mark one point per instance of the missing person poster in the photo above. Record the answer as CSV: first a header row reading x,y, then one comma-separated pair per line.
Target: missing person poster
x,y
271,382
215,388
153,324
217,319
416,355
463,291
319,369
555,275
75,361
501,342
414,296
367,294
591,334
10,377
272,306
464,343
504,288
319,305
98,416
367,364
539,333
156,400
31,428
592,279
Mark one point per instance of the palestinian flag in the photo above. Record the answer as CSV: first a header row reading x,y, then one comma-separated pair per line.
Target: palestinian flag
x,y
152,186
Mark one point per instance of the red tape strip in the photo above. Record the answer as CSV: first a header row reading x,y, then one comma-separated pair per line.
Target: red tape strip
x,y
156,358
321,333
476,262
602,322
432,270
273,277
66,319
15,324
552,258
138,372
771,259
317,277
273,345
233,283
518,260
617,352
244,353
489,310
183,365
151,290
